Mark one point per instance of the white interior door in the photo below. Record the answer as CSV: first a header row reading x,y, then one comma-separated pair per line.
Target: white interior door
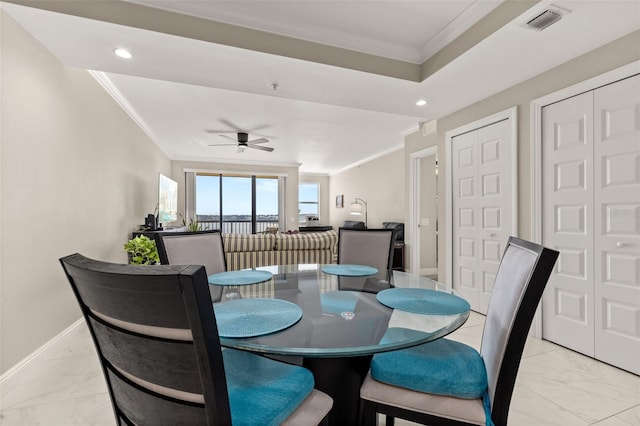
x,y
567,165
591,214
482,193
617,223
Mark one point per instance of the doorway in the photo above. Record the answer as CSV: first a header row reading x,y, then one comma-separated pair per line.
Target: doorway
x,y
423,221
428,224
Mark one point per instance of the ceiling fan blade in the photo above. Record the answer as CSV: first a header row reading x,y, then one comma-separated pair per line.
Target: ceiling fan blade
x,y
231,125
262,148
241,148
222,144
257,141
260,127
229,137
239,129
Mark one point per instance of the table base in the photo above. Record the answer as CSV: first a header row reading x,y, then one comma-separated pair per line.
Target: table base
x,y
340,378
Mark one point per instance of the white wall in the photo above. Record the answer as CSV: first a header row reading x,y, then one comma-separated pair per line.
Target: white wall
x,y
606,58
380,182
77,175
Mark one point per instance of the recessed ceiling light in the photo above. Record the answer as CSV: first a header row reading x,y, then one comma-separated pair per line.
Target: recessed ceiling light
x,y
122,53
421,102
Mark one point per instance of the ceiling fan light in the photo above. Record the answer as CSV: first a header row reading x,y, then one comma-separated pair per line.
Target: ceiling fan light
x,y
242,141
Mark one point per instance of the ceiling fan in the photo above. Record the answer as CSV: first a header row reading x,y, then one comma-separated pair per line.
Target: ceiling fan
x,y
243,142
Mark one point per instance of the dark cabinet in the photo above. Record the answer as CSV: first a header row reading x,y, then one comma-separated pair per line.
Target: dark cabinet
x,y
398,257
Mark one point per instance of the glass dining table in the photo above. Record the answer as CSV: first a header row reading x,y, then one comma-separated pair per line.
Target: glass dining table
x,y
332,319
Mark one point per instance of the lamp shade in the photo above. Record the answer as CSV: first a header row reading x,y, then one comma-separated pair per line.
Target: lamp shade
x,y
355,208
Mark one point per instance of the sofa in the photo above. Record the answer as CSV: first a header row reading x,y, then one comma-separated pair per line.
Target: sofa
x,y
254,250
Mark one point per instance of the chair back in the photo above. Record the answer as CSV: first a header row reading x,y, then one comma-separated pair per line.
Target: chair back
x,y
371,247
194,248
521,278
156,336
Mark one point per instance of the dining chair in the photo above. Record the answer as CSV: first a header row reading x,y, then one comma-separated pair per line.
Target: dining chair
x,y
370,247
193,248
156,335
445,382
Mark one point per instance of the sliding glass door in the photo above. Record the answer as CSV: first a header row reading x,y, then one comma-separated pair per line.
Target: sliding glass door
x,y
238,204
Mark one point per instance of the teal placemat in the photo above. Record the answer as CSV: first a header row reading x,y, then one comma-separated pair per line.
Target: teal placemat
x,y
255,317
423,301
349,270
239,277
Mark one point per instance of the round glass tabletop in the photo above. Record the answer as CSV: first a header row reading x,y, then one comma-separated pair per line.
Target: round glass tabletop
x,y
341,315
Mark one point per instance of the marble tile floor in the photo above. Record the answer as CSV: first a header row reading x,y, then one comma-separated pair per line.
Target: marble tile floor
x,y
63,386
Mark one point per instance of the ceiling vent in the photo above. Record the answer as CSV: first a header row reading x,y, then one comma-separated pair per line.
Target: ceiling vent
x,y
545,19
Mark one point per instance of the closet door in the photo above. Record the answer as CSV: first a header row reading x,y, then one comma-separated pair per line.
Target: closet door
x,y
482,202
465,216
567,199
617,223
591,214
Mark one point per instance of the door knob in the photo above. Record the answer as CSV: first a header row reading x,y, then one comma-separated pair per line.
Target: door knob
x,y
620,244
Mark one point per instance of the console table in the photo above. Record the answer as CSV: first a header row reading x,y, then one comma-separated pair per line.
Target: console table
x,y
316,228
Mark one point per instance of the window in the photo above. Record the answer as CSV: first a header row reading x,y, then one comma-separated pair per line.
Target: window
x,y
308,201
236,204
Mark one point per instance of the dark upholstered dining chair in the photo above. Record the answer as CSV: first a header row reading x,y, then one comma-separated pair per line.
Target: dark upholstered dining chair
x,y
156,335
370,247
445,382
193,248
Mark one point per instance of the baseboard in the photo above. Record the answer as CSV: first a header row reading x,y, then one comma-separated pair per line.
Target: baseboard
x,y
429,271
35,354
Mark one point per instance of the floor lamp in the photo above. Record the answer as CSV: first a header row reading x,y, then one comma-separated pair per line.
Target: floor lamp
x,y
359,207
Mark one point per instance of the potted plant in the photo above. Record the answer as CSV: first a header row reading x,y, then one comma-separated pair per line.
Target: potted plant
x,y
192,225
142,251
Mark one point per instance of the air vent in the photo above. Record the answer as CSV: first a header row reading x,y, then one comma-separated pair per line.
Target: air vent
x,y
545,19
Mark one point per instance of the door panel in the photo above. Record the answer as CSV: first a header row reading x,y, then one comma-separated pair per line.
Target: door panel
x,y
567,158
482,183
617,223
465,206
496,179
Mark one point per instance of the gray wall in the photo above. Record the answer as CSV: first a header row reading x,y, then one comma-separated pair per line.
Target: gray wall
x,y
606,58
380,182
77,175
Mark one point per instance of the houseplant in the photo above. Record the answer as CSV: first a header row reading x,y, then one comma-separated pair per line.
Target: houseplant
x,y
191,225
142,251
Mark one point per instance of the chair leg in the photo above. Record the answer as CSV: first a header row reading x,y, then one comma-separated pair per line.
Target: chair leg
x,y
368,414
